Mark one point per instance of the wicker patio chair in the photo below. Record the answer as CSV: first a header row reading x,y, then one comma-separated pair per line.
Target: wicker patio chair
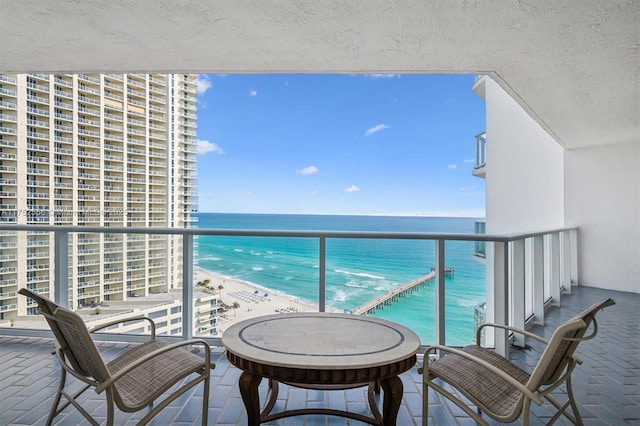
x,y
500,389
133,380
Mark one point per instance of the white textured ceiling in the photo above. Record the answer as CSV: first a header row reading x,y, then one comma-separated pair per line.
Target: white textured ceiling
x,y
573,64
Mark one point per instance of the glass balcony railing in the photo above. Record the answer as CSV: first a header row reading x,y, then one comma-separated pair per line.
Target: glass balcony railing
x,y
172,290
479,247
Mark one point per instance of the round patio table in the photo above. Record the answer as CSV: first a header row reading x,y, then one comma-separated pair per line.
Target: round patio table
x,y
326,351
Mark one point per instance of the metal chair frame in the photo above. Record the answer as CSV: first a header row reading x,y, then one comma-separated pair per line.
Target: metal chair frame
x,y
476,372
134,380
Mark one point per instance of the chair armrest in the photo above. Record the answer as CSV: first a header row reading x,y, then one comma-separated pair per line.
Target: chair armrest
x,y
123,320
509,328
495,370
206,361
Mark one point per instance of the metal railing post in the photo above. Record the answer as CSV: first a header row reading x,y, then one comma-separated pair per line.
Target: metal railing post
x,y
537,259
554,268
565,262
61,268
187,286
322,274
518,290
574,256
500,308
440,293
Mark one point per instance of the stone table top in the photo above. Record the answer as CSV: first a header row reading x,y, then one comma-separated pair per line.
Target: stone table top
x,y
318,340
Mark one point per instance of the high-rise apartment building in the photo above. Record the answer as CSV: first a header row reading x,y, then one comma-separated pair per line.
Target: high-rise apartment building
x,y
106,150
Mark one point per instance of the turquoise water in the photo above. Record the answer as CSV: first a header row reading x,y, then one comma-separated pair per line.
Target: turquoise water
x,y
357,270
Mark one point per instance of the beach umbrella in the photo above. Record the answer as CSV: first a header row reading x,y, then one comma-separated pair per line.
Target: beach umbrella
x,y
266,295
255,292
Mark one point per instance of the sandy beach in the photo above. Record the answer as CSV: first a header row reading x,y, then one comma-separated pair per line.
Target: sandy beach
x,y
253,300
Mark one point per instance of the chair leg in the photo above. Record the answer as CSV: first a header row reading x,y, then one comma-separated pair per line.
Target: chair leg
x,y
562,409
574,406
205,402
54,408
526,412
110,407
425,404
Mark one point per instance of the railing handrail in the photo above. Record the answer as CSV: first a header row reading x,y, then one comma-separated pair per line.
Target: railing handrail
x,y
504,238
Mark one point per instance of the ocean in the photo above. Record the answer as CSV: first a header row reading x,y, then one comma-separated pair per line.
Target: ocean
x,y
357,270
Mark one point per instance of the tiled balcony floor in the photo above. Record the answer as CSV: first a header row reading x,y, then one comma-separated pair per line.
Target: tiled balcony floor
x,y
607,385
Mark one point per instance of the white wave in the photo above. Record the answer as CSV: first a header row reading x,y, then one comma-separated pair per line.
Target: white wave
x,y
467,303
385,286
238,250
212,258
340,296
255,253
358,274
356,284
257,268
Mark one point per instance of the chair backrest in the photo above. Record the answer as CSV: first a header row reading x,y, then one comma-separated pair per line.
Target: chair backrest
x,y
563,344
73,337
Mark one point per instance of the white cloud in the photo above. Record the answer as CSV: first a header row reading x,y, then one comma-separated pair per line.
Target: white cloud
x,y
352,188
311,170
470,160
375,129
475,213
452,166
248,193
206,146
203,84
472,213
253,92
383,75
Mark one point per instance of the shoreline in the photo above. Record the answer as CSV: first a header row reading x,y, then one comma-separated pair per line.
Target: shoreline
x,y
253,299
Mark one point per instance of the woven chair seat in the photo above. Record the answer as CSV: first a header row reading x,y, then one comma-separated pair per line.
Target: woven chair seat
x,y
145,383
472,379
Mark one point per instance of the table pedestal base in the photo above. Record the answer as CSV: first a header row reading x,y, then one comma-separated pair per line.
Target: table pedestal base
x,y
392,398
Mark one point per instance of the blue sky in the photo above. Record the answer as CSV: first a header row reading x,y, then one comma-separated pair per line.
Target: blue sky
x,y
339,144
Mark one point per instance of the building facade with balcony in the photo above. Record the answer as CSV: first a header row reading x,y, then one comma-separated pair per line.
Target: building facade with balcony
x,y
95,150
533,182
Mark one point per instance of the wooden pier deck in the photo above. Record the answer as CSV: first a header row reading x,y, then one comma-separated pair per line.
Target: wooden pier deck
x,y
393,295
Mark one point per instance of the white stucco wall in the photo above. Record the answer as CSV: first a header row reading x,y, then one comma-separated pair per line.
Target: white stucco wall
x,y
603,199
524,172
532,183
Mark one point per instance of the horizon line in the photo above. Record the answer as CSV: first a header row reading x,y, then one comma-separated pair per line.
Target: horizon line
x,y
462,215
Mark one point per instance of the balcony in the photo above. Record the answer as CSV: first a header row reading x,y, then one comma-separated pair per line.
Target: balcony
x,y
481,155
606,391
511,299
480,247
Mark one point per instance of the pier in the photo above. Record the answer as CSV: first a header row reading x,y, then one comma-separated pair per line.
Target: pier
x,y
393,295
448,272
